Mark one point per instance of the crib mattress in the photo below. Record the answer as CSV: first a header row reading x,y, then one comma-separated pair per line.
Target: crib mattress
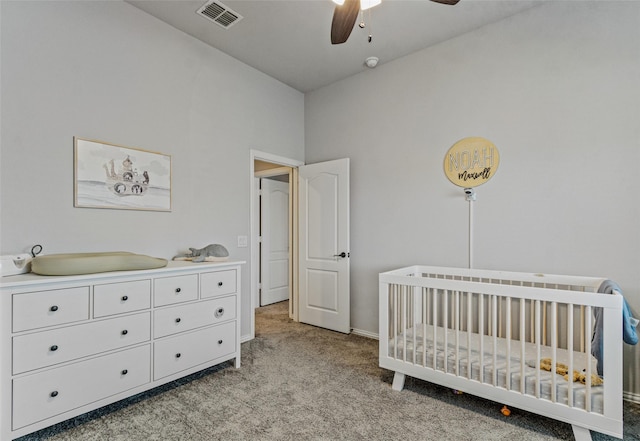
x,y
491,365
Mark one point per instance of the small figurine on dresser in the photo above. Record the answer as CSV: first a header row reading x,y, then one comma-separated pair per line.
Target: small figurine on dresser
x,y
211,253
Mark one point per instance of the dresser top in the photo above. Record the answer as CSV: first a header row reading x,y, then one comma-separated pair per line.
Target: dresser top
x,y
172,268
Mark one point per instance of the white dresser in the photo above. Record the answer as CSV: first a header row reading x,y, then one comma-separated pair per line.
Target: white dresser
x,y
71,344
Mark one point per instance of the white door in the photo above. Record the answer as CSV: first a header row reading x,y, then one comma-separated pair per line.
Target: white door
x,y
274,258
324,245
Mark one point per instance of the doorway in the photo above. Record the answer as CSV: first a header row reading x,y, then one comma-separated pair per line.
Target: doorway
x,y
265,166
318,229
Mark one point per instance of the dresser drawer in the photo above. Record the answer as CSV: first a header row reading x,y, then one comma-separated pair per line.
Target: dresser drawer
x,y
218,283
169,290
47,308
185,351
116,298
47,348
44,395
181,318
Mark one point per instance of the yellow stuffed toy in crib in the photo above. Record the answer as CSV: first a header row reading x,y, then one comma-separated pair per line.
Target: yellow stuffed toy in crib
x,y
563,369
582,378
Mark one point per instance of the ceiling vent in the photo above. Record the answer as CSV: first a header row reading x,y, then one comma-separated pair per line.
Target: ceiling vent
x,y
219,13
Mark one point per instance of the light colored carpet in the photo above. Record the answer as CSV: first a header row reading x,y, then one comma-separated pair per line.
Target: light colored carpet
x,y
299,382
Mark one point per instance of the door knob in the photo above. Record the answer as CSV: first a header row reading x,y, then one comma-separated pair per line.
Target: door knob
x,y
342,254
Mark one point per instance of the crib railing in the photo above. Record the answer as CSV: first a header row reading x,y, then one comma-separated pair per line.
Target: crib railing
x,y
565,283
459,311
491,329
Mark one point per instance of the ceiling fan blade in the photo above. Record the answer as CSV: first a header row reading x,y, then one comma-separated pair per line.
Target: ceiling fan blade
x,y
344,17
446,2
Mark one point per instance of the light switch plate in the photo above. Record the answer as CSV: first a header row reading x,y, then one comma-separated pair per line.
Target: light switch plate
x,y
242,241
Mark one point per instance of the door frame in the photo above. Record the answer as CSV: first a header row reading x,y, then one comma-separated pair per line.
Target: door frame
x,y
254,218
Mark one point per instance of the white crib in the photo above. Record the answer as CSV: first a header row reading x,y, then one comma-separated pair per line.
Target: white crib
x,y
485,332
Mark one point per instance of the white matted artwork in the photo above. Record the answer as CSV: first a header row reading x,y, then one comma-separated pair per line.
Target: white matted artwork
x,y
113,176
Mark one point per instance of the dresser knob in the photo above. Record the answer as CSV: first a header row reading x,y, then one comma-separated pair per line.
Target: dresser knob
x,y
125,332
54,348
54,308
219,312
178,320
219,342
124,372
178,290
219,283
125,298
53,394
178,355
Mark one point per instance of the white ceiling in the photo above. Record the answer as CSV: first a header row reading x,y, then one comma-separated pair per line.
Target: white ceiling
x,y
290,39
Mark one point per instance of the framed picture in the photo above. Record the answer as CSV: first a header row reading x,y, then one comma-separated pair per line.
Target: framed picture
x,y
113,176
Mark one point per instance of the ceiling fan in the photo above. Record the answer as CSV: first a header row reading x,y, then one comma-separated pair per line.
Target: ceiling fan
x,y
346,13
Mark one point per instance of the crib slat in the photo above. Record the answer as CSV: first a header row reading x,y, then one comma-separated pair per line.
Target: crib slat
x,y
434,323
494,328
403,320
532,324
499,318
395,321
425,294
457,332
412,315
469,329
523,309
544,323
554,352
445,326
582,334
570,312
537,331
508,337
588,326
481,335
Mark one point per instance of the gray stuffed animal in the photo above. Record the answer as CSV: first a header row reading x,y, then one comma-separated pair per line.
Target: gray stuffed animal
x,y
211,253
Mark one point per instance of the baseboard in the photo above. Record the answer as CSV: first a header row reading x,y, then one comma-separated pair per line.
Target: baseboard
x,y
364,333
630,396
245,338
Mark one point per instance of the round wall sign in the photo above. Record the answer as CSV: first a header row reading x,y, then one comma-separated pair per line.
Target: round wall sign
x,y
471,162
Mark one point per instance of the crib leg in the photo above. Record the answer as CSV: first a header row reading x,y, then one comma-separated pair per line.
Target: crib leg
x,y
580,433
398,381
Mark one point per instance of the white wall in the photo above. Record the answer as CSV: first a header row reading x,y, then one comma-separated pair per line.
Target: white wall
x,y
557,90
108,71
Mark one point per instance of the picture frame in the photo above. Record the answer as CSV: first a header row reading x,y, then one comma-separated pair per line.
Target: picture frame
x,y
113,176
